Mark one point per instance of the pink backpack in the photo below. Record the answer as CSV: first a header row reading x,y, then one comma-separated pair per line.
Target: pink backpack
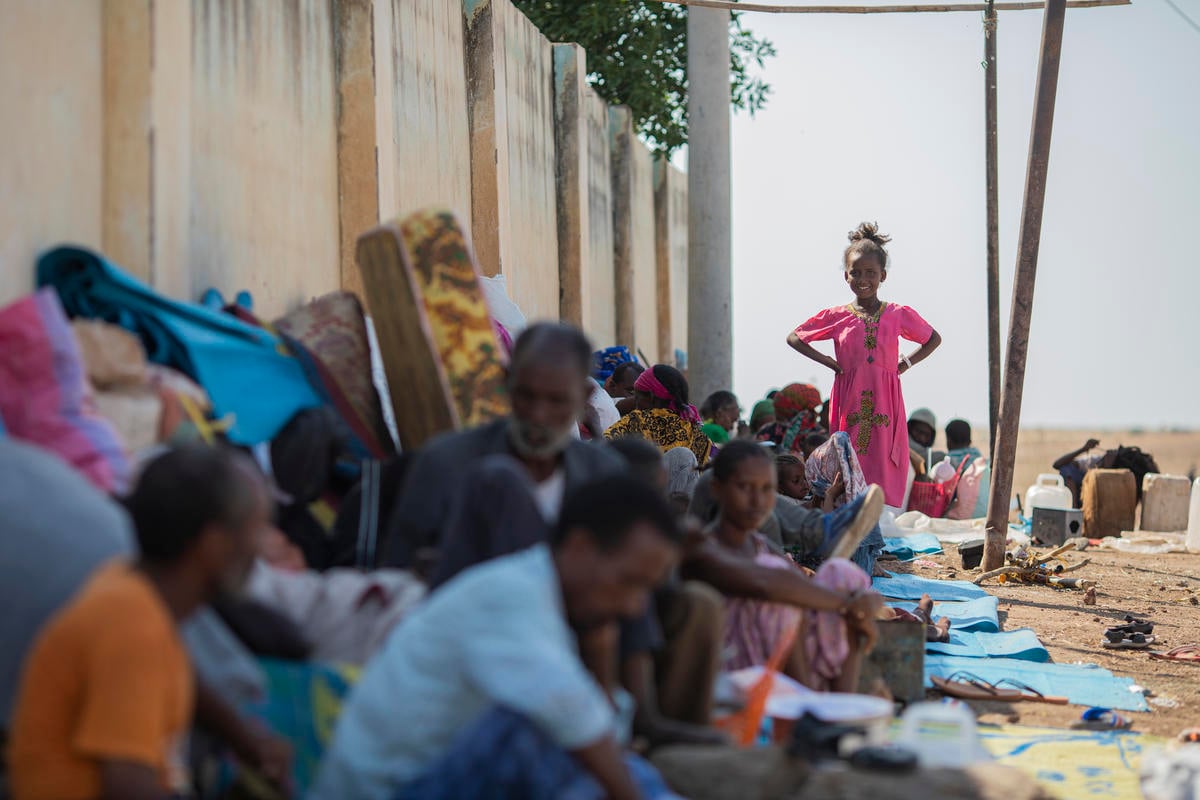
x,y
972,491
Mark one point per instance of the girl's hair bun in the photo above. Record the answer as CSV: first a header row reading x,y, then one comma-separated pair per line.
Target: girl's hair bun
x,y
866,238
868,232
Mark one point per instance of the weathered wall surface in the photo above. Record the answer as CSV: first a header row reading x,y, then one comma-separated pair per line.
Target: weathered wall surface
x,y
644,262
424,141
670,220
50,162
600,318
246,145
510,68
264,151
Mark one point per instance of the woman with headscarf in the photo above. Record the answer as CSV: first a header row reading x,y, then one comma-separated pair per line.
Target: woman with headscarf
x,y
795,415
762,414
663,415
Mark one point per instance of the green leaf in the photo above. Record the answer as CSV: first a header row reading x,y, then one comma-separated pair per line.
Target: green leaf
x,y
637,56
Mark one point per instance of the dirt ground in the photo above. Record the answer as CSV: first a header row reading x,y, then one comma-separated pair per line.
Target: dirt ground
x,y
1162,588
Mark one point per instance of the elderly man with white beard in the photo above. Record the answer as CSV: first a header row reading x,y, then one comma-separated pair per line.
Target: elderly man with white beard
x,y
549,387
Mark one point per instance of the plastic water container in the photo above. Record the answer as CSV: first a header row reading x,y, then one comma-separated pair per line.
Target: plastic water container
x,y
1193,529
1048,491
941,735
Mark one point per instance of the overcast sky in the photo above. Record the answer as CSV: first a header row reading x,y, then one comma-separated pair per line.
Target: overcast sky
x,y
880,117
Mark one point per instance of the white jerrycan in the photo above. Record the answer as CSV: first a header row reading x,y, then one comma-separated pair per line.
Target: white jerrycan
x,y
1193,529
1048,491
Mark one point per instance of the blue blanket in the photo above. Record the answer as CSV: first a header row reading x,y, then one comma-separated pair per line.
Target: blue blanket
x,y
1022,644
910,587
1082,684
245,370
907,548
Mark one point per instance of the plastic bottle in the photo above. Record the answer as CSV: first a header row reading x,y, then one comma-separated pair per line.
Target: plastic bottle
x,y
1193,529
1048,491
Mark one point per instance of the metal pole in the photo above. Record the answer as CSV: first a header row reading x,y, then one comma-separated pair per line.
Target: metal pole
x,y
710,318
1022,306
993,224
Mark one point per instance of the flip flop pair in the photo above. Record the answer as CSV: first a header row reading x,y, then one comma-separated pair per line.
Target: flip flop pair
x,y
1187,652
965,686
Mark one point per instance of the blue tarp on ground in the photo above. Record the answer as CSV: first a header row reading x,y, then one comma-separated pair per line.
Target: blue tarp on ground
x,y
980,614
1022,644
910,587
1082,684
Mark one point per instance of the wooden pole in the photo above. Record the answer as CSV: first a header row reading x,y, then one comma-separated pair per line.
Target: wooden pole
x,y
993,221
1022,306
732,5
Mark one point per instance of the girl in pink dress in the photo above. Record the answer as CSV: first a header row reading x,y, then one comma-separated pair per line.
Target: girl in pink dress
x,y
867,402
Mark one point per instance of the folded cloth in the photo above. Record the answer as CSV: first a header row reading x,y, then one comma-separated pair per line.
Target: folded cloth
x,y
246,370
907,548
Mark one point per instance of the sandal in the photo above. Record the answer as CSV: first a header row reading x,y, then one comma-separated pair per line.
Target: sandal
x,y
965,686
1187,652
1132,625
1128,641
1102,719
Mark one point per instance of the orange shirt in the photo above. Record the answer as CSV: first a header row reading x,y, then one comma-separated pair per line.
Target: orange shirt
x,y
107,680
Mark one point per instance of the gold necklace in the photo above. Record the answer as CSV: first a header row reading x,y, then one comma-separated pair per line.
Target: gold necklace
x,y
872,319
871,324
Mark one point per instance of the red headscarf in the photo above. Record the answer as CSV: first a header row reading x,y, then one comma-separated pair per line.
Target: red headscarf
x,y
647,382
795,398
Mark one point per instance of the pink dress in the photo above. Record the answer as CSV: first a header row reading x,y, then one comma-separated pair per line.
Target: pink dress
x,y
867,402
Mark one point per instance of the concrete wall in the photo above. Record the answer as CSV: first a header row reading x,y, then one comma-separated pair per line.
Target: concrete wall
x,y
600,320
510,69
246,145
644,261
264,185
670,221
50,162
424,140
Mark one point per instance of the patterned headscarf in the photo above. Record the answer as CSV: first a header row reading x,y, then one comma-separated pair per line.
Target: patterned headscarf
x,y
795,398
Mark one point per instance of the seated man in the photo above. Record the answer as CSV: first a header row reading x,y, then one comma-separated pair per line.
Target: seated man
x,y
106,696
958,443
549,386
922,431
480,691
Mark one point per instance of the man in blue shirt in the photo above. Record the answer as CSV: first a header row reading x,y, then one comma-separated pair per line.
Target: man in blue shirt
x,y
481,690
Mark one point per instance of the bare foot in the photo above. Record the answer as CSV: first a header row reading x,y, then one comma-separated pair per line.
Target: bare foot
x,y
925,608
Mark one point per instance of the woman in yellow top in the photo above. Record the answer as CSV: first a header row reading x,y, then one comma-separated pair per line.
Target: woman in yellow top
x,y
663,416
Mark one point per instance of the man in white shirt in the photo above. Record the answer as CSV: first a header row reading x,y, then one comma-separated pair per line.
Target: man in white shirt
x,y
480,692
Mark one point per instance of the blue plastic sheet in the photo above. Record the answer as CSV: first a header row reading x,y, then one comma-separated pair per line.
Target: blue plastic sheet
x,y
1082,684
1021,643
910,587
